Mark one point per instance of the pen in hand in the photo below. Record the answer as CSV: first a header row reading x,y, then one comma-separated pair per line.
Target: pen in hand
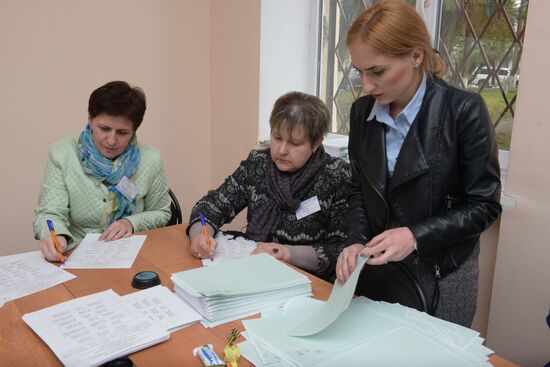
x,y
205,231
54,238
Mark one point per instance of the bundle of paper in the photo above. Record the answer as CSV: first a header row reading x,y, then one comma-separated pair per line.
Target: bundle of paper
x,y
367,332
239,288
92,330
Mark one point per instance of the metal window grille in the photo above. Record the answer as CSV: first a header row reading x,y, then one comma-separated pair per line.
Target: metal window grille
x,y
480,42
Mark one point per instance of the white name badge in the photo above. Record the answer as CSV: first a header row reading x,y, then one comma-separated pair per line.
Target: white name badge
x,y
127,188
308,207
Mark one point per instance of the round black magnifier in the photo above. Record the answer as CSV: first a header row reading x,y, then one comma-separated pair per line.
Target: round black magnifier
x,y
145,279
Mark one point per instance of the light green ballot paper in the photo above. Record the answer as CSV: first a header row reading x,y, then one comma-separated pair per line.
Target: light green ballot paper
x,y
339,300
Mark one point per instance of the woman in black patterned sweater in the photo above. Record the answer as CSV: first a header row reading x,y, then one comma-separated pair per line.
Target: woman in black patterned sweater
x,y
295,192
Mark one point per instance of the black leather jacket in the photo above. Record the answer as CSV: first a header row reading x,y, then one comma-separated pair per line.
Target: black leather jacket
x,y
446,183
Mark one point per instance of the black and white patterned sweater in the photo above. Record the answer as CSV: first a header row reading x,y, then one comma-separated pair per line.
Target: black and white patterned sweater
x,y
246,187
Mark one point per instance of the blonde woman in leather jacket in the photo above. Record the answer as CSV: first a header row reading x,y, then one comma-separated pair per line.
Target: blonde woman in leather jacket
x,y
425,173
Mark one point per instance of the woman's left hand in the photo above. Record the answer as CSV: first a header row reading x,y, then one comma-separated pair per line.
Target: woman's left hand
x,y
120,229
278,251
391,245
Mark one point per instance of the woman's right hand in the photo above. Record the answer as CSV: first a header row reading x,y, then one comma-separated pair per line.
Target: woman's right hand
x,y
346,261
48,248
200,248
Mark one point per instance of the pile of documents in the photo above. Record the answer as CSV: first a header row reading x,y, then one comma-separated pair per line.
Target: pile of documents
x,y
366,333
336,145
239,288
358,332
92,330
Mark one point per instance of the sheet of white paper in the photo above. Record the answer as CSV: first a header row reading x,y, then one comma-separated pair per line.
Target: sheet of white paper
x,y
229,248
90,330
26,273
92,253
162,306
339,300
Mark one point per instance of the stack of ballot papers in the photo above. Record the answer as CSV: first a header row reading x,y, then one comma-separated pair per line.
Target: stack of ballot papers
x,y
366,333
239,288
336,145
230,247
92,330
26,273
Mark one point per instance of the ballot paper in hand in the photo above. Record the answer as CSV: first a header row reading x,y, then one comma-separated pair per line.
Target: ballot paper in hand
x,y
26,273
93,253
230,247
339,300
162,306
92,330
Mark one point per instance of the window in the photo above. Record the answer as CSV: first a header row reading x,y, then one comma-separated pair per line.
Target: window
x,y
339,83
481,43
479,40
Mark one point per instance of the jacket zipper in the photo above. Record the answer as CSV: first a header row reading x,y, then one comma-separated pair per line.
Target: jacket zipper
x,y
386,206
437,273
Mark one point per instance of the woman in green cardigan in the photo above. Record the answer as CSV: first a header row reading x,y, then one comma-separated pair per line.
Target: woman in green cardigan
x,y
102,180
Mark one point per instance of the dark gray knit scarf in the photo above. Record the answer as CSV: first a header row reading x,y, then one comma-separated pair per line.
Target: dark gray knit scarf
x,y
285,191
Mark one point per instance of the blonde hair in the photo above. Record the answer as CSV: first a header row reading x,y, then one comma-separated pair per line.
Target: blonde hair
x,y
394,28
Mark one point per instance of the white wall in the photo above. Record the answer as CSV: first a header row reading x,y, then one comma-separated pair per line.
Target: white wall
x,y
55,53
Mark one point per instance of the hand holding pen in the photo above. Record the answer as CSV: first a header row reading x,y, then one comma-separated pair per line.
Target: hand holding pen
x,y
52,247
207,236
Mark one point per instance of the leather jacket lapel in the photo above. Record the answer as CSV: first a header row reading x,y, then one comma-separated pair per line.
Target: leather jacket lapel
x,y
411,161
374,165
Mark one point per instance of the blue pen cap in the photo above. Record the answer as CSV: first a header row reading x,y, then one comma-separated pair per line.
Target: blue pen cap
x,y
50,225
202,218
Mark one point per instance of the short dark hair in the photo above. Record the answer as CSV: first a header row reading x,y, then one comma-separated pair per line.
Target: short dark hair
x,y
118,98
300,109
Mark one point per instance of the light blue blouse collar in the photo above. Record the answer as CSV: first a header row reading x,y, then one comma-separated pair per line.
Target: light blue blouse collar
x,y
382,112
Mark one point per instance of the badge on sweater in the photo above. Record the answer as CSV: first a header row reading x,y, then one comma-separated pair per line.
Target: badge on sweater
x,y
127,188
307,207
